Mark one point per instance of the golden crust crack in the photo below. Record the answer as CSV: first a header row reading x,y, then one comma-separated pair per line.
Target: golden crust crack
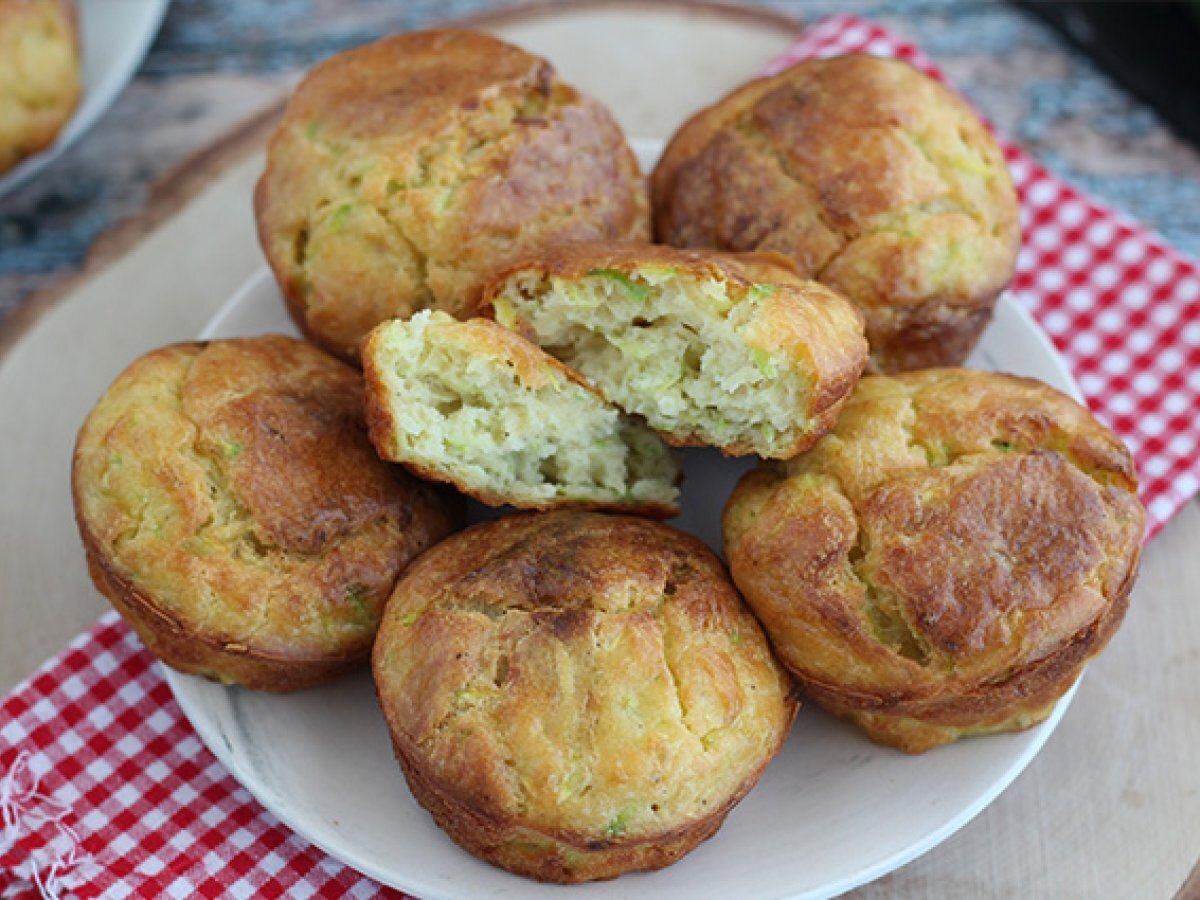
x,y
873,178
574,695
947,559
405,172
233,510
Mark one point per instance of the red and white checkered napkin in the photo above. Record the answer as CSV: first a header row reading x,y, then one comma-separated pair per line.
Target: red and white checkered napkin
x,y
1122,307
105,790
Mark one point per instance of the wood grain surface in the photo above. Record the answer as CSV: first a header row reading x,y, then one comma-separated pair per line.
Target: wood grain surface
x,y
1109,809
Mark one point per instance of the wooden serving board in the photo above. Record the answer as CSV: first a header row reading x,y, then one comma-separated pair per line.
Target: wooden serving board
x,y
1110,808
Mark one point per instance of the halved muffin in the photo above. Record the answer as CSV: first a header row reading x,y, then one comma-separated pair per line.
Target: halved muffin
x,y
947,559
732,351
478,406
574,695
234,512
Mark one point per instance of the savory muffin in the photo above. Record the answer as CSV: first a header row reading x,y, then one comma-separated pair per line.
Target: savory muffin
x,y
479,406
947,559
407,171
732,351
234,512
40,80
573,695
873,178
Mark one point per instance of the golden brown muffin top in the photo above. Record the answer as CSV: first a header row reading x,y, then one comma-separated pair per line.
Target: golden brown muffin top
x,y
40,82
593,677
401,84
406,171
872,177
233,484
955,527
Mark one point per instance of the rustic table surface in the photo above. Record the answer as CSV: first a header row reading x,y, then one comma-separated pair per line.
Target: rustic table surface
x,y
217,65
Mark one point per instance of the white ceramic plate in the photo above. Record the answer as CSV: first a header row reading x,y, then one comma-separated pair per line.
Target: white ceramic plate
x,y
115,35
833,810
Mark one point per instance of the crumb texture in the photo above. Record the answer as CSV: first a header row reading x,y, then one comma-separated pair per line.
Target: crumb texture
x,y
477,405
730,351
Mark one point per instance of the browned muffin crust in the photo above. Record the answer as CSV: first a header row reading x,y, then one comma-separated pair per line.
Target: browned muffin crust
x,y
573,695
802,323
40,75
408,170
873,178
944,562
233,510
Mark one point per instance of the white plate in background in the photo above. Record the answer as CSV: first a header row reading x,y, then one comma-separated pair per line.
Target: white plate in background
x,y
833,811
115,36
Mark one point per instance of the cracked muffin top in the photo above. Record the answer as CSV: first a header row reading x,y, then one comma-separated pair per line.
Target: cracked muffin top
x,y
873,178
407,171
40,80
233,509
951,553
574,695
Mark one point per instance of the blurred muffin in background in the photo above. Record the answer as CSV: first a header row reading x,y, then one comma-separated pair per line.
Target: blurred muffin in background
x,y
40,82
874,179
405,172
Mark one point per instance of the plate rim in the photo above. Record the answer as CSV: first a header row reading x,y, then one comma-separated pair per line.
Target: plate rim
x,y
278,805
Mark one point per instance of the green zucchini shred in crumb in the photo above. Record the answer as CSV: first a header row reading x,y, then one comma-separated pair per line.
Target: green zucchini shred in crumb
x,y
198,546
619,824
616,827
765,364
467,696
340,215
504,313
639,292
356,594
758,291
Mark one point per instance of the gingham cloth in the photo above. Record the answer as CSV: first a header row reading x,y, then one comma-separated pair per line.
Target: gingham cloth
x,y
105,789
